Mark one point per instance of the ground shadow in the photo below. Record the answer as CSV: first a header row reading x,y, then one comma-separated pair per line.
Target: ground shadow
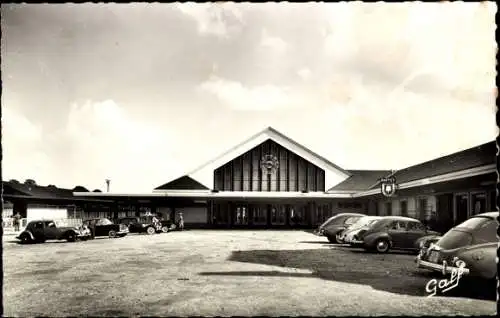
x,y
395,273
255,273
356,250
315,242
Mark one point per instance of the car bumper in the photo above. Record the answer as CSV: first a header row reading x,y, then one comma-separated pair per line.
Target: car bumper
x,y
319,232
442,268
123,232
356,242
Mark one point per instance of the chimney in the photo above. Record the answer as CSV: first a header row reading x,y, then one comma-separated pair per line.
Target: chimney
x,y
107,185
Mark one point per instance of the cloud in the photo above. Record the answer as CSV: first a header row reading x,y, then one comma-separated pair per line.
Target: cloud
x,y
432,45
258,98
221,19
24,155
275,44
106,142
304,73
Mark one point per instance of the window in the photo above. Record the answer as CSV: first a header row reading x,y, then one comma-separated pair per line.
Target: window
x,y
415,226
349,205
398,226
404,208
388,208
258,215
38,225
478,203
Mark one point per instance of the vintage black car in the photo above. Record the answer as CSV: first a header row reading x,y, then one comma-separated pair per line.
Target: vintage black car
x,y
393,232
472,244
337,224
144,225
39,231
104,227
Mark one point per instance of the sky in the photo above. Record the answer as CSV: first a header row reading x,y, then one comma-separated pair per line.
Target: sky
x,y
143,93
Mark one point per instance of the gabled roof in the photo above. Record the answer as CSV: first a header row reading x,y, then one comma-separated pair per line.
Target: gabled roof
x,y
361,180
474,157
333,173
182,183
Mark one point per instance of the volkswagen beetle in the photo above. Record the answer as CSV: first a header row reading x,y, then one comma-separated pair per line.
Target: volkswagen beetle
x,y
472,244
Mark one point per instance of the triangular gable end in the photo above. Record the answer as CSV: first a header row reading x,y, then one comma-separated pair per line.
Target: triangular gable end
x,y
182,183
333,173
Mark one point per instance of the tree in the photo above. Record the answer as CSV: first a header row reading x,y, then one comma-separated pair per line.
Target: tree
x,y
80,189
13,181
30,182
97,190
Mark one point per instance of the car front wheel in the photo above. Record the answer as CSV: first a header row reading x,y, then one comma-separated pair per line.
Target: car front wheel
x,y
382,246
151,230
71,237
25,239
112,234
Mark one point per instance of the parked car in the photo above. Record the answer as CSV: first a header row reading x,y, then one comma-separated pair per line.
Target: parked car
x,y
337,224
104,227
39,231
320,230
348,234
144,225
393,232
472,244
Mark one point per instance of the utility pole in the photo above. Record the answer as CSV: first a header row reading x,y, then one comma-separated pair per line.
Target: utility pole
x,y
107,184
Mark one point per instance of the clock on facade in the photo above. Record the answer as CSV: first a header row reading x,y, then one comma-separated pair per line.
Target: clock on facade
x,y
269,164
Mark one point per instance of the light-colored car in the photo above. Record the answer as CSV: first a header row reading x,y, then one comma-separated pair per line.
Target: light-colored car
x,y
473,244
343,221
348,234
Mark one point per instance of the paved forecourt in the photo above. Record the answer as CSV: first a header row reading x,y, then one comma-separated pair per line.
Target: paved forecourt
x,y
209,273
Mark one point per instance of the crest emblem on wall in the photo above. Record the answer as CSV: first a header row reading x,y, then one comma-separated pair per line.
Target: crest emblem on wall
x,y
388,186
269,164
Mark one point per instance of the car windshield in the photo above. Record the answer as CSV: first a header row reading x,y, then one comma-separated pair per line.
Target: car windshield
x,y
364,221
370,223
104,222
352,220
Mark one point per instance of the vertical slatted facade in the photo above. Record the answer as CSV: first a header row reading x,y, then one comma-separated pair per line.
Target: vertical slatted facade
x,y
244,173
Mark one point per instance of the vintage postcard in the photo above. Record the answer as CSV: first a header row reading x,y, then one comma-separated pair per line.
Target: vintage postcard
x,y
249,159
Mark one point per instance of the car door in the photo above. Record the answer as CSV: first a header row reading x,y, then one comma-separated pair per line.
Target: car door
x,y
397,231
50,230
100,229
37,230
133,225
415,230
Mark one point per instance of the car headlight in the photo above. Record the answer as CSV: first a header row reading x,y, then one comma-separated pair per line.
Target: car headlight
x,y
460,263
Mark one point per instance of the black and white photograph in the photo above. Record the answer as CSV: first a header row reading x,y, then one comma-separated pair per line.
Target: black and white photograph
x,y
249,159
